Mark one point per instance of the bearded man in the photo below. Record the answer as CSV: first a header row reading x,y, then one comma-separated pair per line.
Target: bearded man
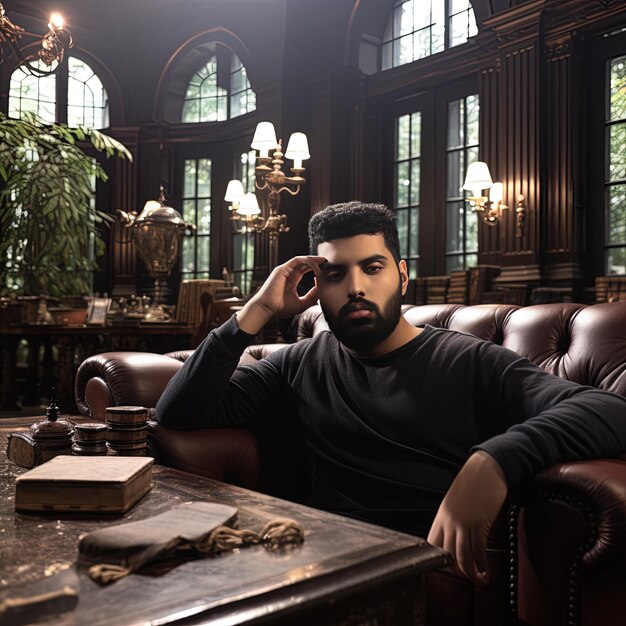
x,y
423,430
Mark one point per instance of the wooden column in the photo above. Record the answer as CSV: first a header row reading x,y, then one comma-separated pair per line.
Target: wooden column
x,y
510,143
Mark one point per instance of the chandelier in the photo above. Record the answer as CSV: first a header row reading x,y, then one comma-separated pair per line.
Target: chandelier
x,y
271,179
53,44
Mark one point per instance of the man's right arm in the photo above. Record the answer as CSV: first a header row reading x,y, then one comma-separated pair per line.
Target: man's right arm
x,y
207,391
197,396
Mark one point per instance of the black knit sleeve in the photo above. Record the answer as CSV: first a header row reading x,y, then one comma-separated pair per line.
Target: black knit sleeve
x,y
211,391
543,419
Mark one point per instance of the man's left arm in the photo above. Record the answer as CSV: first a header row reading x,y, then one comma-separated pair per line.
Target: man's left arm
x,y
534,420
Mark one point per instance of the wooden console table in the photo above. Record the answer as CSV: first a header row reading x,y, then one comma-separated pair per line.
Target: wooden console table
x,y
72,345
346,572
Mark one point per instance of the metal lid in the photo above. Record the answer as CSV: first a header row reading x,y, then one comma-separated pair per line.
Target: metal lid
x,y
126,409
46,428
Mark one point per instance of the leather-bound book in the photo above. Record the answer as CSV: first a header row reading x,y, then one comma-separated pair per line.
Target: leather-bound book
x,y
102,484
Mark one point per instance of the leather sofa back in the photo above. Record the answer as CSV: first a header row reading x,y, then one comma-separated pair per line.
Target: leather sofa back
x,y
584,344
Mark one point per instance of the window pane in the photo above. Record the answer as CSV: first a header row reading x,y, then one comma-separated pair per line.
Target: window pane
x,y
416,129
617,214
202,263
204,218
406,17
458,29
422,13
455,124
422,44
191,111
415,182
189,262
471,230
403,182
403,132
29,94
406,50
617,158
616,261
403,231
454,263
454,188
617,106
414,232
473,111
204,178
456,6
86,97
454,226
190,178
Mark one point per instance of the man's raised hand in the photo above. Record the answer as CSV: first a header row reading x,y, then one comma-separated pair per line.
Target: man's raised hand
x,y
278,297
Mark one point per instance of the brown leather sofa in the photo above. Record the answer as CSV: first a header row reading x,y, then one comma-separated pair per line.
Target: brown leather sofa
x,y
559,551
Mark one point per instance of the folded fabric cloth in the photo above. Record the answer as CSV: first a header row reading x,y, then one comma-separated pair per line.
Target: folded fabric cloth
x,y
198,528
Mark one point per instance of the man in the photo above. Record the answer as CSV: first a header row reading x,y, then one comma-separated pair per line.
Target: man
x,y
419,429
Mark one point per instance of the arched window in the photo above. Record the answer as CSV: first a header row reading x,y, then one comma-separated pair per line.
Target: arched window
x,y
83,103
419,28
87,103
219,89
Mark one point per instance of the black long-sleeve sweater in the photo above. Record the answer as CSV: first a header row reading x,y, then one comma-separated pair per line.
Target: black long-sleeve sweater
x,y
386,436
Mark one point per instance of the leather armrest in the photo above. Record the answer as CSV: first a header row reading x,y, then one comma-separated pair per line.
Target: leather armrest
x,y
122,378
582,503
229,455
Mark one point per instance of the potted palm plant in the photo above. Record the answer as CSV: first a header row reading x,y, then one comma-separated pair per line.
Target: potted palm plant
x,y
50,229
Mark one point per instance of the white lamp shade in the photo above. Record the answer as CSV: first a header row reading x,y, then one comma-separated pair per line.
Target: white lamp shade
x,y
496,193
298,147
478,176
249,205
264,137
234,191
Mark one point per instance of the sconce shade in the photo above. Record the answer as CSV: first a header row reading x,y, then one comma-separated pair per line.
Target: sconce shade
x,y
264,137
234,191
249,205
478,176
496,193
298,147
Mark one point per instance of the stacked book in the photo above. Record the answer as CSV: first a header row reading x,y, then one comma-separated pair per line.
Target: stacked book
x,y
481,278
459,287
127,430
416,291
189,309
436,289
610,288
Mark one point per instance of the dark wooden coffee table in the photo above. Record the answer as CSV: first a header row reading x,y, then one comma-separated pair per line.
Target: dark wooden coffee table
x,y
346,572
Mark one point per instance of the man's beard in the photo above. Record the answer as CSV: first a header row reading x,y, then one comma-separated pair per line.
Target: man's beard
x,y
363,334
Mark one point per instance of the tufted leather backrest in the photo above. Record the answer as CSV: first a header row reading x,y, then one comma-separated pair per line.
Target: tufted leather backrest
x,y
581,343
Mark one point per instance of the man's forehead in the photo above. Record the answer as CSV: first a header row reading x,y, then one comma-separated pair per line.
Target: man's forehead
x,y
353,249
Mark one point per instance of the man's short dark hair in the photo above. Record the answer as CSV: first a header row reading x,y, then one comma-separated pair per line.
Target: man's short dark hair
x,y
354,218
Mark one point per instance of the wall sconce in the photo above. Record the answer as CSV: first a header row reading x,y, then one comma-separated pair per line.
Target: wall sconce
x,y
477,179
53,44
